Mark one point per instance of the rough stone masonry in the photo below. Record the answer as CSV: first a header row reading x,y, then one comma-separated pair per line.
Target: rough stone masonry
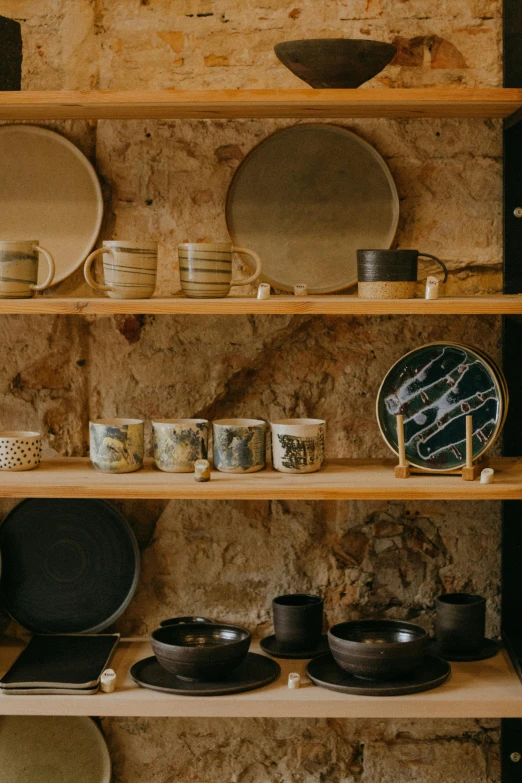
x,y
168,180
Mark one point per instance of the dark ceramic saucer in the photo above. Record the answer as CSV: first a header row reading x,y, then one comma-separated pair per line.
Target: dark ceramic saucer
x,y
325,672
278,650
255,672
487,649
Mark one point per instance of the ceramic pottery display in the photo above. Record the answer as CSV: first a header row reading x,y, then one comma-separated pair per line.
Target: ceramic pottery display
x,y
255,672
48,189
200,651
306,199
298,445
330,63
239,445
129,269
35,749
116,445
390,274
435,387
184,621
206,269
277,649
11,48
378,649
59,664
68,566
298,620
19,268
325,672
179,443
20,450
461,627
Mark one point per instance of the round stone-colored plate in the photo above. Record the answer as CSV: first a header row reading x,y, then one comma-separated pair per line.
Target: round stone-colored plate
x,y
271,646
49,191
435,387
487,649
36,749
254,672
430,674
306,199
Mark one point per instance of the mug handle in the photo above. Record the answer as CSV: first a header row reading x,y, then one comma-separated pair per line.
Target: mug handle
x,y
257,262
50,261
427,255
87,269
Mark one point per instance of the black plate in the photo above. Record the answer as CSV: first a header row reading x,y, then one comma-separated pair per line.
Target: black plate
x,y
72,662
487,649
255,672
68,566
325,672
271,646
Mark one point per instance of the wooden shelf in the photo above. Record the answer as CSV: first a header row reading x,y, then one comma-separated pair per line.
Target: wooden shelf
x,y
485,689
338,480
231,104
276,305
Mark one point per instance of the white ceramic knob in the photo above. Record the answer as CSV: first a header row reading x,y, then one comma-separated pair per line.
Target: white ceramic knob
x,y
301,289
108,681
202,470
294,680
486,477
263,291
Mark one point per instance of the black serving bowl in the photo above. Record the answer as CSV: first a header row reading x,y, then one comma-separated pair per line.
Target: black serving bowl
x,y
335,62
378,649
200,651
184,621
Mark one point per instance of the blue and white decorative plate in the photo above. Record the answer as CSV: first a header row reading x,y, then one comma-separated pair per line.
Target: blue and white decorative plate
x,y
435,387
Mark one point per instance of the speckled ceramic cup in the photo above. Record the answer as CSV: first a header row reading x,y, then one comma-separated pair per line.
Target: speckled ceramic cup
x,y
179,443
117,445
239,445
19,450
390,274
298,445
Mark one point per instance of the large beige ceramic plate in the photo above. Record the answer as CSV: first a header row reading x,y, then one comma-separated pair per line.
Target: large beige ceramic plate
x,y
48,191
306,199
36,749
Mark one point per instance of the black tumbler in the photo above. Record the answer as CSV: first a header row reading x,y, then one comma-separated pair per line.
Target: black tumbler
x,y
298,620
460,622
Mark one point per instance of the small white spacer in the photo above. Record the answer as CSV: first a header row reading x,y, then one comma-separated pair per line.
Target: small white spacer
x,y
202,470
301,289
486,477
294,680
108,681
263,291
432,288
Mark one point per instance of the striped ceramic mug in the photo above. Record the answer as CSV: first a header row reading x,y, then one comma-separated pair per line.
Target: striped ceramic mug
x,y
129,269
19,268
206,269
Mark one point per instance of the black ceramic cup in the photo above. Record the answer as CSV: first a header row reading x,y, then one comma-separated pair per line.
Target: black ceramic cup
x,y
390,274
460,622
298,620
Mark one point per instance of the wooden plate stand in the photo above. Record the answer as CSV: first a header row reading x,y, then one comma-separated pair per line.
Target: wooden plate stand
x,y
469,472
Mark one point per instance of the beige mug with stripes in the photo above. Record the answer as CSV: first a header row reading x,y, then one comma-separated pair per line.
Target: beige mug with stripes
x,y
129,269
206,268
19,268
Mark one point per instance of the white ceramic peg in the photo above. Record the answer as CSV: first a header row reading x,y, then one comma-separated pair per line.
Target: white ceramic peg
x,y
202,470
294,680
263,291
301,289
432,288
108,681
486,477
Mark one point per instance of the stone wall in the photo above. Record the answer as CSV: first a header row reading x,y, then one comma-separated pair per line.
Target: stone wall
x,y
228,559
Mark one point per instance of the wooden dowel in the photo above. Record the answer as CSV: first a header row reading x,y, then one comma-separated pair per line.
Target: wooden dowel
x,y
400,441
469,441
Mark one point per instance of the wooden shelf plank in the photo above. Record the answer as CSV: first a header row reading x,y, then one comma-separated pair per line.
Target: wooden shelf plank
x,y
338,480
230,104
485,689
276,305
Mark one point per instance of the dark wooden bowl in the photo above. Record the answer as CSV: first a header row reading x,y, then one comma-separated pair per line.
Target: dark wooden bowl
x,y
378,649
335,62
200,651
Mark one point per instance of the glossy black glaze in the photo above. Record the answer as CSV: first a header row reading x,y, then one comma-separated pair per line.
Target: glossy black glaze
x,y
378,649
184,621
487,649
460,622
200,651
391,265
275,648
298,620
335,62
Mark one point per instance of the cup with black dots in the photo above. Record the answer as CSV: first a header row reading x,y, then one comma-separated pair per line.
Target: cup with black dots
x,y
20,450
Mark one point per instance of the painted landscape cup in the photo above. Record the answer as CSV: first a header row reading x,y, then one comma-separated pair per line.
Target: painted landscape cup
x,y
179,443
117,445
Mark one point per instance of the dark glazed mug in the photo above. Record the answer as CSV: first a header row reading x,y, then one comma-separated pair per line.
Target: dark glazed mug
x,y
298,619
460,622
390,274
